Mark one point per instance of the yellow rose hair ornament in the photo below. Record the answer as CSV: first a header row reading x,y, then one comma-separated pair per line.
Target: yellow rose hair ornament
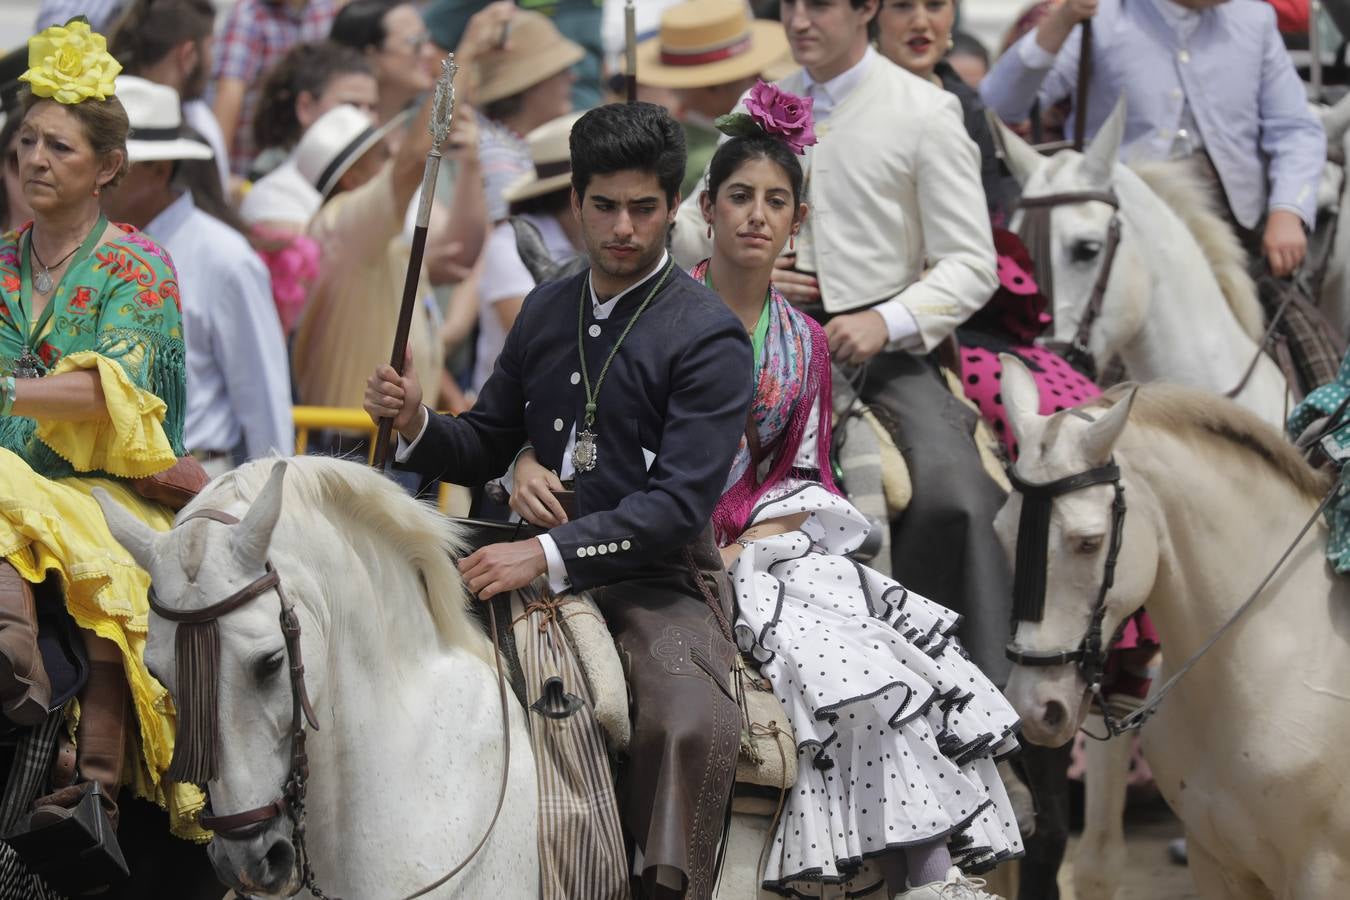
x,y
70,63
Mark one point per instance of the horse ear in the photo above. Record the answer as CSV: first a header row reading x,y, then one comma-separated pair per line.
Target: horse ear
x,y
1102,434
1021,397
253,535
1021,157
138,538
1099,159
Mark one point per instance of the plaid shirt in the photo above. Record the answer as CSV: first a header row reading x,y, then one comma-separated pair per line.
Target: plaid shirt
x,y
257,33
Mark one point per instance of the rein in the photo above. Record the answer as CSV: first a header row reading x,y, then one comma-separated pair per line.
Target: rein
x,y
1035,231
196,753
1091,652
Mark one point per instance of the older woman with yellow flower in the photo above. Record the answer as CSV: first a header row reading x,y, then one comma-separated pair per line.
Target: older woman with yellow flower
x,y
91,395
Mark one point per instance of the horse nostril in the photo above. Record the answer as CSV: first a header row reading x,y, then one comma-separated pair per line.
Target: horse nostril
x,y
280,858
1055,714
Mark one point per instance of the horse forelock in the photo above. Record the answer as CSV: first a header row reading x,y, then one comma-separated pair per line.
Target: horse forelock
x,y
1207,419
395,533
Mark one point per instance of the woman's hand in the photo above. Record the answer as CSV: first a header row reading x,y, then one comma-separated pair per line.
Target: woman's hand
x,y
533,498
398,397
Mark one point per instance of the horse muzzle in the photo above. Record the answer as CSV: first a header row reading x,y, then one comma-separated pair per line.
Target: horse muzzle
x,y
1052,702
263,866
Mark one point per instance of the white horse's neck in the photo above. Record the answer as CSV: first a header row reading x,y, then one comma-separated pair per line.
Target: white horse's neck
x,y
405,726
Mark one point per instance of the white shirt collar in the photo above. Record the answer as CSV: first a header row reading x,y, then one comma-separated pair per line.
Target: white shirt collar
x,y
837,89
171,217
602,310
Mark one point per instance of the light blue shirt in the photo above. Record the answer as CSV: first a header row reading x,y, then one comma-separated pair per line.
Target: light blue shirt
x,y
1223,72
238,377
100,13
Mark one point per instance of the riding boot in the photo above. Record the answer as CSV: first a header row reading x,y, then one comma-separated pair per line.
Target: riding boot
x,y
25,690
100,738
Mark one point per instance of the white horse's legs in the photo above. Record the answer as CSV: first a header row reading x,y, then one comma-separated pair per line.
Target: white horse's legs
x,y
1099,864
1215,883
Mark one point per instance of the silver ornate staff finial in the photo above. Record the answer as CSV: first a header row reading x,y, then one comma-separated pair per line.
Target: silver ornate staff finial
x,y
443,104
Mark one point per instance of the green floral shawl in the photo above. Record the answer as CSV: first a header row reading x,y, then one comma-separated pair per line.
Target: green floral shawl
x,y
120,302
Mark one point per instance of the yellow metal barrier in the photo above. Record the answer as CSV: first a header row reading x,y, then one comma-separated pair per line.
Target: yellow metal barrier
x,y
337,418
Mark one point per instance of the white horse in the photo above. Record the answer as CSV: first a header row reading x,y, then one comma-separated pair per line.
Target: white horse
x,y
406,765
1246,748
1179,305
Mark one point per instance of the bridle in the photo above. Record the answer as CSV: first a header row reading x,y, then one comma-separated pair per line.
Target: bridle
x,y
195,757
1029,579
1035,232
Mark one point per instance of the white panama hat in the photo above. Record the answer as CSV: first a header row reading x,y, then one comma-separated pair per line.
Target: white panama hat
x,y
156,115
551,154
334,143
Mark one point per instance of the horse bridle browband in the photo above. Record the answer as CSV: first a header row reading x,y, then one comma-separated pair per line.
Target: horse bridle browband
x,y
198,764
1035,231
1033,536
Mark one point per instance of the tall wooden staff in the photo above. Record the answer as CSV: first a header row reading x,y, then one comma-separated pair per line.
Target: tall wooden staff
x,y
1084,83
442,112
630,48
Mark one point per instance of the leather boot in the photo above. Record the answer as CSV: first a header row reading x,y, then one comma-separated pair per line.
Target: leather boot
x,y
25,690
100,738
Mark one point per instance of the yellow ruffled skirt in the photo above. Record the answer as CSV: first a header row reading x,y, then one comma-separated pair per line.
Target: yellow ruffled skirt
x,y
55,527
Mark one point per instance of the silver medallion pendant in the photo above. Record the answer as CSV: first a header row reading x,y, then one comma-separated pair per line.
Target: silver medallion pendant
x,y
584,453
28,365
43,281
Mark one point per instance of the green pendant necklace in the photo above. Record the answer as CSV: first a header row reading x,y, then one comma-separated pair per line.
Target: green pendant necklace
x,y
584,454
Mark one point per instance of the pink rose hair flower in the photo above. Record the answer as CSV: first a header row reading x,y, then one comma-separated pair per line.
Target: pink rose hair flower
x,y
772,111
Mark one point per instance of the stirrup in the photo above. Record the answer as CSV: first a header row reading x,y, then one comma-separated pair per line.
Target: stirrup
x,y
77,854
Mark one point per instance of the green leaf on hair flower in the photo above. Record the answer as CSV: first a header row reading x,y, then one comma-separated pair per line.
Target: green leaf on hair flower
x,y
738,125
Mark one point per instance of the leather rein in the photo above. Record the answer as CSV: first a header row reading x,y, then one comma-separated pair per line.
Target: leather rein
x,y
291,802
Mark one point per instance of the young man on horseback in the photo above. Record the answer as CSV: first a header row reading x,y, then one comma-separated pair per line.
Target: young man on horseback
x,y
1246,127
631,382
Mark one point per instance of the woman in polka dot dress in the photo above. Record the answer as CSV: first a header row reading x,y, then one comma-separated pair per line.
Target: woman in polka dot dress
x,y
898,733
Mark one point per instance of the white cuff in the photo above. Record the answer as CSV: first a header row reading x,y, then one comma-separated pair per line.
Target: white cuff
x,y
558,581
405,448
1033,55
901,327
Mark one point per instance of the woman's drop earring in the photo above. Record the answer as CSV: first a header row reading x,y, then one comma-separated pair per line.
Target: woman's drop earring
x,y
710,231
96,190
792,241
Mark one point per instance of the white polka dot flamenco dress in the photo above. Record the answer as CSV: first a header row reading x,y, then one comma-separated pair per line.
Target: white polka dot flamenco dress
x,y
897,732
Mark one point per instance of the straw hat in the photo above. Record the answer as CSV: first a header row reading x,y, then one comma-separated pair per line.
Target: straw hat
x,y
334,143
708,42
536,52
156,116
552,158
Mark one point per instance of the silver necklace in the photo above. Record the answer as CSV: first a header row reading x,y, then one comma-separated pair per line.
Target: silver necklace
x,y
42,281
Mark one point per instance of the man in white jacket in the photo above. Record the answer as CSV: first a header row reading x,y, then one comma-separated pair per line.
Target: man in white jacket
x,y
896,253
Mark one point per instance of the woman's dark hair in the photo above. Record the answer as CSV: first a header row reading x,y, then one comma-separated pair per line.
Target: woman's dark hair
x,y
623,136
202,177
105,126
305,69
969,45
149,29
7,159
740,150
360,24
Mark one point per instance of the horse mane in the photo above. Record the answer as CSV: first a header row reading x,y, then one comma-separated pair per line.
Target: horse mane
x,y
337,489
1187,412
1181,190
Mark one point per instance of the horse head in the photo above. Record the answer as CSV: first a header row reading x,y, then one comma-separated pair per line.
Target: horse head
x,y
1077,236
242,684
1080,526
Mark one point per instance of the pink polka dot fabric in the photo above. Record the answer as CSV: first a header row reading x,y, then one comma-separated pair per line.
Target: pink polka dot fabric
x,y
1061,385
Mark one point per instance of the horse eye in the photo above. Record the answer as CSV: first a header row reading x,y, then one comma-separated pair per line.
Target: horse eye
x,y
267,668
1088,546
1085,251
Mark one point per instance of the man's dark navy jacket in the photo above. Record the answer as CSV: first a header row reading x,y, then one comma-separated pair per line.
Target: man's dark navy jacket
x,y
679,388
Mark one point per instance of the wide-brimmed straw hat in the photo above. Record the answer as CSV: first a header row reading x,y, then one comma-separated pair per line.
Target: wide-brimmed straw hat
x,y
535,51
334,143
709,42
552,158
156,115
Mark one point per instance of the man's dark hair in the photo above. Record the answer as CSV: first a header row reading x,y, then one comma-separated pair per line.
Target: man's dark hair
x,y
968,44
147,30
623,136
360,24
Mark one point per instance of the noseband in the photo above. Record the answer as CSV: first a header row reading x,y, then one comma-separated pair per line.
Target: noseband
x,y
1033,539
1035,232
195,758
